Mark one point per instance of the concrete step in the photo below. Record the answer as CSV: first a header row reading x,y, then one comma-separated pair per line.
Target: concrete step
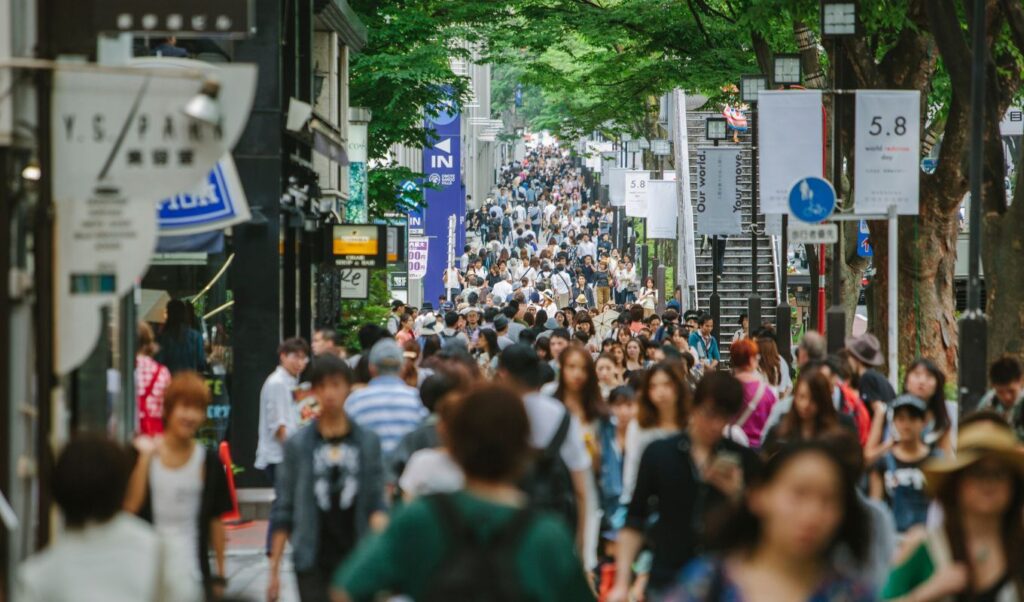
x,y
254,502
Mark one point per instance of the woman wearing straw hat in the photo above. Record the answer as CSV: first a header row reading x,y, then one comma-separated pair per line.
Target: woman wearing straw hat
x,y
977,554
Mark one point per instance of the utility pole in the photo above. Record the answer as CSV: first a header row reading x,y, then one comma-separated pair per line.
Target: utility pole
x,y
836,315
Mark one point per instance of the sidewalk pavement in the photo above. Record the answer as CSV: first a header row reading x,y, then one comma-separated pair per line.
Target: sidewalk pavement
x,y
247,566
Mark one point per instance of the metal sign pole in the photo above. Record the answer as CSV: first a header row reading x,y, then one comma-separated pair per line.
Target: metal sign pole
x,y
894,259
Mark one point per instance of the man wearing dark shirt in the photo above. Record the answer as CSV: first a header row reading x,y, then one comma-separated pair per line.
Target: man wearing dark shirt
x,y
682,480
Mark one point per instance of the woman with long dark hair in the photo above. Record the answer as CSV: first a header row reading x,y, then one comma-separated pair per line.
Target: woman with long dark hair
x,y
773,367
976,555
780,541
662,410
579,391
812,414
181,346
487,351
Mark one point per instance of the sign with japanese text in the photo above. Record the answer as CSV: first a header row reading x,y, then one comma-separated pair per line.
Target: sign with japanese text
x,y
803,233
419,250
888,151
790,143
718,207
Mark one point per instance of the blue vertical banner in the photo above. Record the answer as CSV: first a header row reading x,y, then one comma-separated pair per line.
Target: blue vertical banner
x,y
444,196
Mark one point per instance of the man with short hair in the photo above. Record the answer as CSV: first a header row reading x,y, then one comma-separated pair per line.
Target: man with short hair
x,y
386,406
330,491
519,367
279,416
451,335
502,289
812,348
326,341
681,481
1007,393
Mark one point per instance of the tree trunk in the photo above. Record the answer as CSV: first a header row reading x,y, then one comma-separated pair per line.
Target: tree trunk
x,y
1003,256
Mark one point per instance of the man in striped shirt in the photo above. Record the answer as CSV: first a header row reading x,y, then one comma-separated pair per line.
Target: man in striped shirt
x,y
386,406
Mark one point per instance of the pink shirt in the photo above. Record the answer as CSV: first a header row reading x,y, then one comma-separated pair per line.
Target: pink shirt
x,y
754,424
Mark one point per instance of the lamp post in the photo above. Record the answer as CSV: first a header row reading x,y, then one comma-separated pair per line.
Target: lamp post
x,y
715,130
787,70
973,325
838,20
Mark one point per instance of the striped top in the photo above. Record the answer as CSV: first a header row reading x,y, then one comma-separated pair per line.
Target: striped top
x,y
388,407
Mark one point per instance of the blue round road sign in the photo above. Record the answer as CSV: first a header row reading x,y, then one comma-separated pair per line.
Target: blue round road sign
x,y
812,200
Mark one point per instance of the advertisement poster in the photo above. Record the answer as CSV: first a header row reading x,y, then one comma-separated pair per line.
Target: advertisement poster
x,y
617,186
718,206
789,137
888,153
444,197
419,249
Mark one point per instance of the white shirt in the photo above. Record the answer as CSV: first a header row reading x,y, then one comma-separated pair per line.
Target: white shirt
x,y
503,289
561,282
112,562
176,496
431,471
277,409
545,415
587,248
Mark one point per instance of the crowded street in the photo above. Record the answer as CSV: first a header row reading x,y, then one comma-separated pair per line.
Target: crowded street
x,y
531,300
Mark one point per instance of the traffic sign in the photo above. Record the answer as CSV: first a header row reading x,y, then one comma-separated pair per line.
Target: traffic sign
x,y
812,200
864,240
812,234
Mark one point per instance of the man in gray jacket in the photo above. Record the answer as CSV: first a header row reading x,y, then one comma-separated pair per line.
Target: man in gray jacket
x,y
330,488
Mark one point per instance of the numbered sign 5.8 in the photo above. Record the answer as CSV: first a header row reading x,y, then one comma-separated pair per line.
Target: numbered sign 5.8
x,y
888,151
636,193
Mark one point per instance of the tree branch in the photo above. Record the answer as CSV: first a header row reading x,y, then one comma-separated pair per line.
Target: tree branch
x,y
700,24
1015,19
862,59
956,54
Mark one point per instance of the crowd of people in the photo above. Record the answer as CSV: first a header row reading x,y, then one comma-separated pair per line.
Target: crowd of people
x,y
517,443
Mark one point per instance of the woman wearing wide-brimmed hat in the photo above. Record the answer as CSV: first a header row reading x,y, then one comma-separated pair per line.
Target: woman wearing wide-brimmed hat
x,y
977,553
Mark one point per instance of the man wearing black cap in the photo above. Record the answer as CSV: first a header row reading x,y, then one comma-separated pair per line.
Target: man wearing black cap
x,y
520,368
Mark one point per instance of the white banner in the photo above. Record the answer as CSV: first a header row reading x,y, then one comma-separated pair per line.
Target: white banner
x,y
617,186
719,208
419,248
790,144
662,209
888,153
636,193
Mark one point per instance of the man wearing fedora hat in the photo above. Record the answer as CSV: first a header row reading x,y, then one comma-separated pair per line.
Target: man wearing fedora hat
x,y
866,354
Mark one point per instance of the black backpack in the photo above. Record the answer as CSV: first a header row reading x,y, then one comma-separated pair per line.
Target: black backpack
x,y
475,570
548,482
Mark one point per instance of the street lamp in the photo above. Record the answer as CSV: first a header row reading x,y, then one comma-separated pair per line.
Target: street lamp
x,y
751,86
839,18
715,130
787,70
973,324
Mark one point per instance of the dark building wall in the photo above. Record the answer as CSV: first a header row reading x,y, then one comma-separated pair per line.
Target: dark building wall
x,y
254,275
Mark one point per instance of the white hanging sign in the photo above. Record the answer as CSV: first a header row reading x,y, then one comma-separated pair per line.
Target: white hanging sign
x,y
617,186
888,151
121,143
662,209
718,208
636,193
790,143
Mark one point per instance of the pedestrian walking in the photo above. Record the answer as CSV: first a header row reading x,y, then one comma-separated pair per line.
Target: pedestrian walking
x,y
180,486
151,378
1006,375
781,536
704,343
329,488
758,396
180,345
483,542
387,406
104,553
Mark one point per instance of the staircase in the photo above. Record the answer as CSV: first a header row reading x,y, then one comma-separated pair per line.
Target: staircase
x,y
734,286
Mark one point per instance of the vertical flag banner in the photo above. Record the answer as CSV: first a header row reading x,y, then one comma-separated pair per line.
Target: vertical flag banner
x,y
790,141
888,151
662,209
617,186
356,211
443,194
718,208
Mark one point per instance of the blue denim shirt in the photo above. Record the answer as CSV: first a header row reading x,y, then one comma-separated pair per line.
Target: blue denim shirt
x,y
611,468
295,509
